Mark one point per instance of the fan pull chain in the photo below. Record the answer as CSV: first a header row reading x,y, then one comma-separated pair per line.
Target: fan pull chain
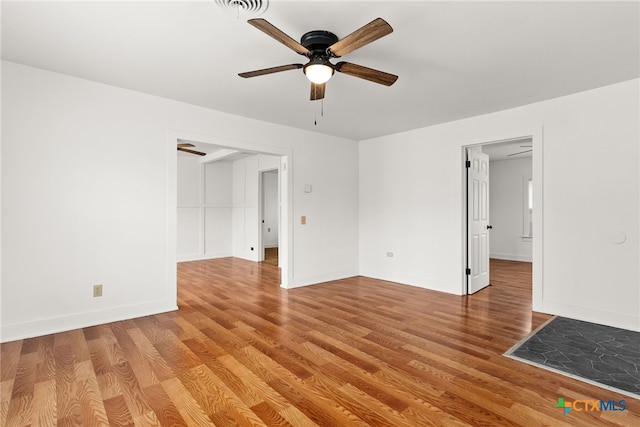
x,y
315,120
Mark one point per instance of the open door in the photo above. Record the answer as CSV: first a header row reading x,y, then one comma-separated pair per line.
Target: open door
x,y
477,220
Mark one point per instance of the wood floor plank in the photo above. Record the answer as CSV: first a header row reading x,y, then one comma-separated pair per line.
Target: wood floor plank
x,y
428,415
137,402
118,412
44,404
242,351
67,405
371,410
154,361
259,391
345,351
146,419
205,391
295,417
92,408
534,417
404,384
10,357
46,369
134,357
188,407
20,411
224,398
164,408
366,385
25,377
318,411
6,388
268,415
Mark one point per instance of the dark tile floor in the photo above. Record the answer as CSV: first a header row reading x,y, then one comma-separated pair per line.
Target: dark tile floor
x,y
602,354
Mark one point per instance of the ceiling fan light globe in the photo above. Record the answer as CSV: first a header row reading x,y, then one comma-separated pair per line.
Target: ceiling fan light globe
x,y
318,73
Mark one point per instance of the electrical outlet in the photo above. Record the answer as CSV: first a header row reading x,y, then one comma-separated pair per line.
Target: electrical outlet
x,y
97,291
390,254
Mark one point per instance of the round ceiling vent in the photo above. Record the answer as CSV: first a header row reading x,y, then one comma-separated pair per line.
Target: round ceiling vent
x,y
244,7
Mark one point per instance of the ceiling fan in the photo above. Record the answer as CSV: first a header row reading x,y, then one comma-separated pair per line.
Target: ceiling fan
x,y
185,147
521,152
319,46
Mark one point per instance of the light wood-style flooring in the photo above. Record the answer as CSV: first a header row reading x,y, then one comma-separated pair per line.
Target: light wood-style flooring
x,y
241,351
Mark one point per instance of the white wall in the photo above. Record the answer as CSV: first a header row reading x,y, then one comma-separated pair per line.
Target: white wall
x,y
204,208
506,203
84,189
217,209
245,209
89,196
246,201
585,166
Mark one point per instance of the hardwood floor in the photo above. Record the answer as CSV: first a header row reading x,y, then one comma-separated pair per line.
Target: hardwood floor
x,y
271,256
242,351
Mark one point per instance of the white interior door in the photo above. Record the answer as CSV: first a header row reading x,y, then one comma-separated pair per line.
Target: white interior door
x,y
478,219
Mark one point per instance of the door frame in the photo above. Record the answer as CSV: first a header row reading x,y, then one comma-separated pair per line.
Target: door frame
x,y
537,141
285,174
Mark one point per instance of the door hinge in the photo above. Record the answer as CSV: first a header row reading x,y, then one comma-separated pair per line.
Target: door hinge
x,y
467,272
468,163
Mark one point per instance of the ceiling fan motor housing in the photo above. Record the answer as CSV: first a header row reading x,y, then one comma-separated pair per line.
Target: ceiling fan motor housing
x,y
318,41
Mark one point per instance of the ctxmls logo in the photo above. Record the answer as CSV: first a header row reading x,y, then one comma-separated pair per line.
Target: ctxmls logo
x,y
590,405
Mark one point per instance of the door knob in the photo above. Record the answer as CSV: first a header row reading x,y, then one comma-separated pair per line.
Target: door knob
x,y
489,227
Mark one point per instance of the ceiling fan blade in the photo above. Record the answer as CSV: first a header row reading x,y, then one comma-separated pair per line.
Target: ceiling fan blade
x,y
366,73
270,30
270,70
197,153
361,37
521,152
185,145
317,91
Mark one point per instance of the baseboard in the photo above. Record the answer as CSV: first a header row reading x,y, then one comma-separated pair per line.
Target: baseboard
x,y
202,257
314,280
52,325
587,314
512,257
419,282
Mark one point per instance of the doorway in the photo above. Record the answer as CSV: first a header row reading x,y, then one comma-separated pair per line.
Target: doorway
x,y
498,199
225,147
269,216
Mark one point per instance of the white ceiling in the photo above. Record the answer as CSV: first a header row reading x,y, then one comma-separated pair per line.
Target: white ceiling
x,y
455,59
507,150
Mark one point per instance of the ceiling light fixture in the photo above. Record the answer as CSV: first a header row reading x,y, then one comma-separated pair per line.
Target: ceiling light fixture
x,y
318,70
246,7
